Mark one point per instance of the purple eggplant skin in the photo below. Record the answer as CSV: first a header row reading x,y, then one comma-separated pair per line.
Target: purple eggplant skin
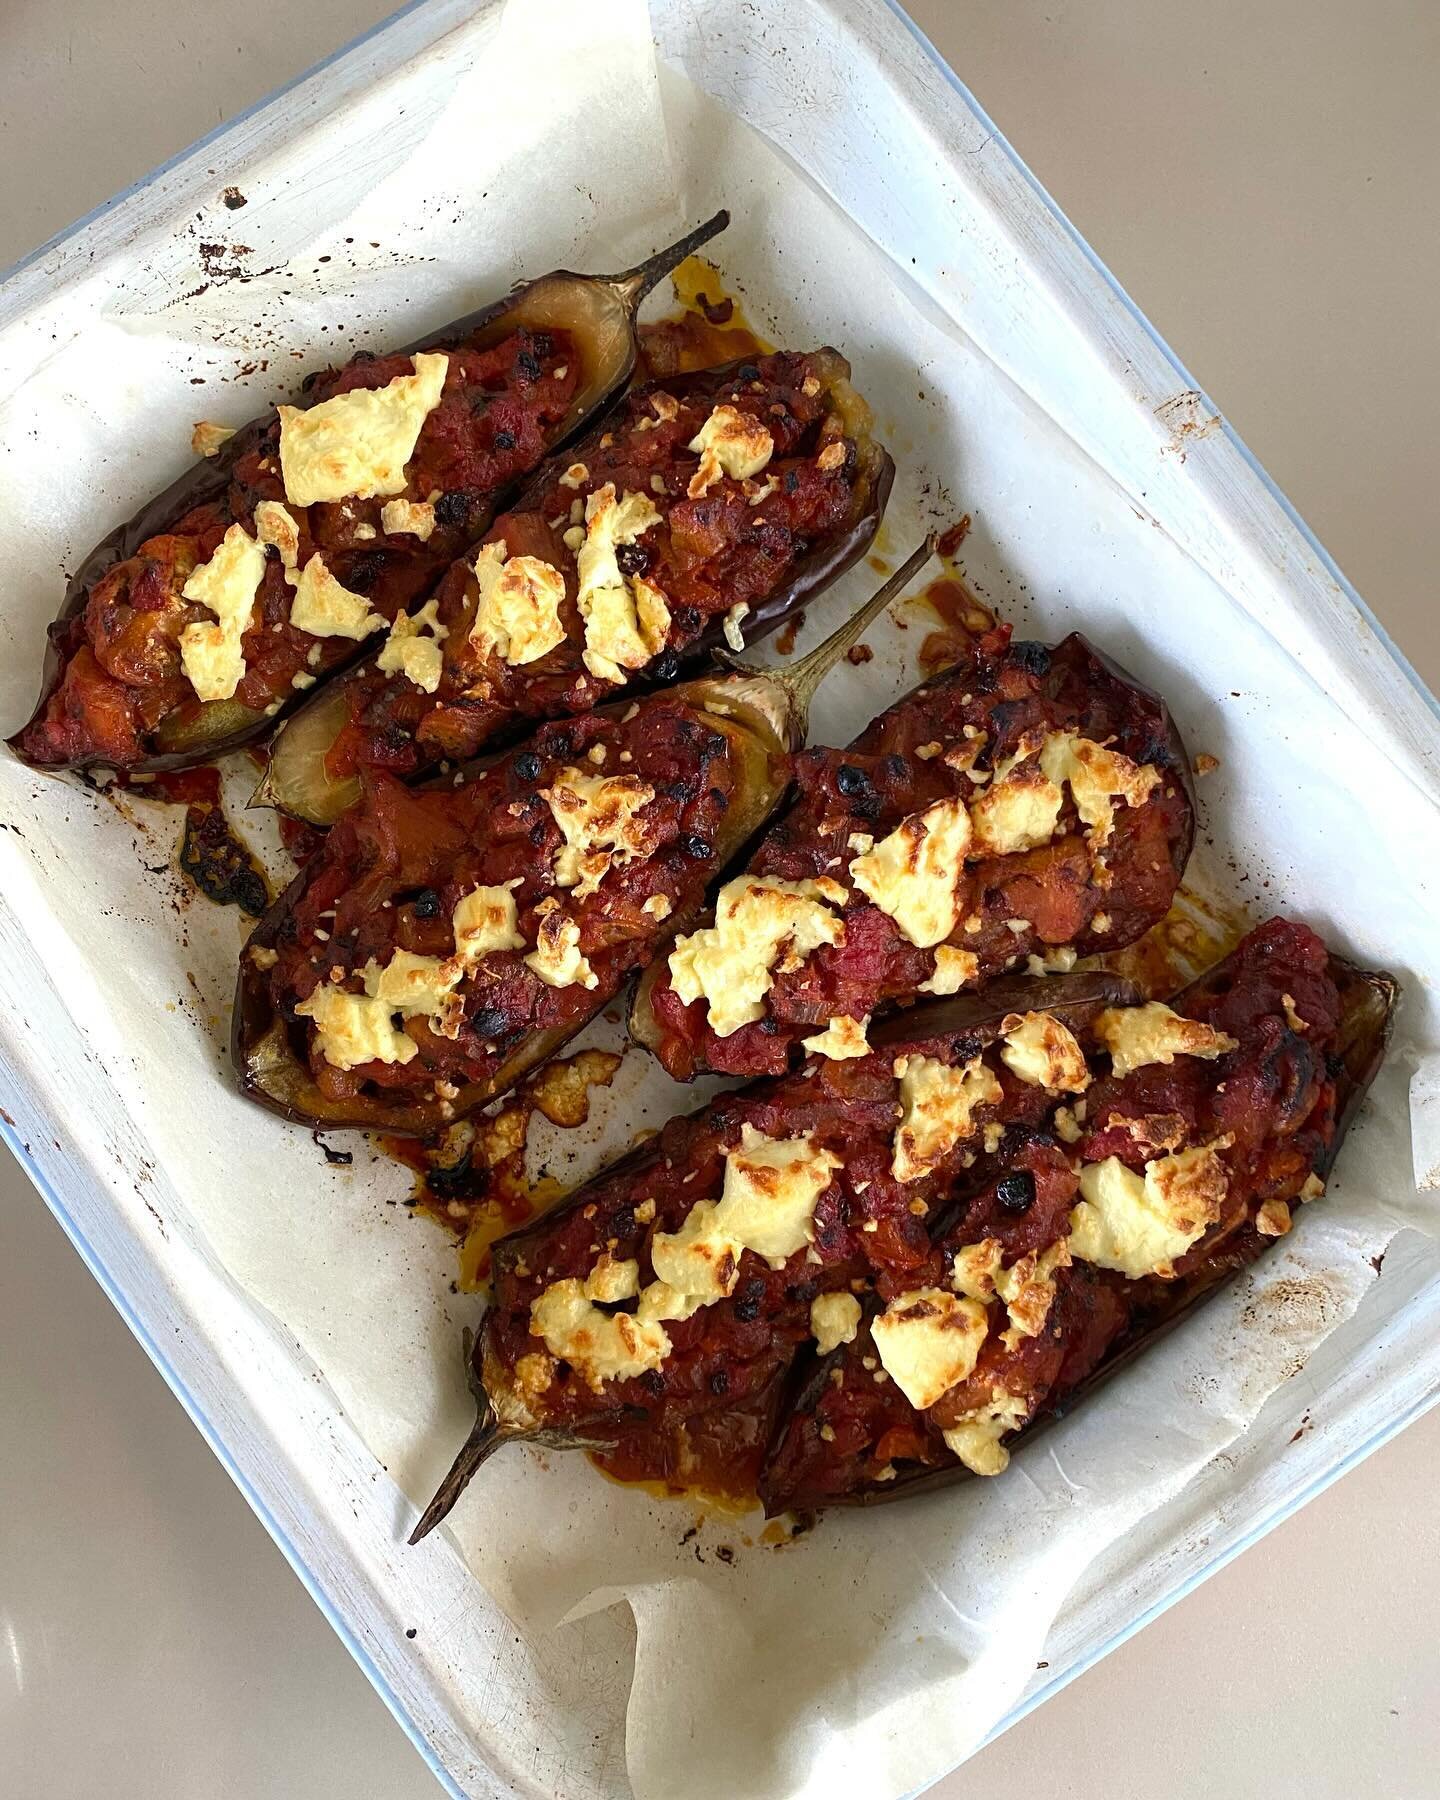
x,y
1368,998
599,310
297,781
971,1021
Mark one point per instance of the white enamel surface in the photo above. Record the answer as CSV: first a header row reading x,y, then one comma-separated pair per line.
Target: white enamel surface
x,y
1006,555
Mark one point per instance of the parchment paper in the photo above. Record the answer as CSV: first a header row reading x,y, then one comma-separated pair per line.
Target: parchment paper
x,y
865,1658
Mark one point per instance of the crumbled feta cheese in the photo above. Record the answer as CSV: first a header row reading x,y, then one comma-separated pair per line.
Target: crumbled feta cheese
x,y
842,1038
1140,1226
731,443
912,875
758,922
1043,1052
928,1340
324,608
937,1103
211,655
1136,1036
834,1320
412,648
358,443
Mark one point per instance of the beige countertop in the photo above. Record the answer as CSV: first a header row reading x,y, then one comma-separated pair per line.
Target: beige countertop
x,y
1262,180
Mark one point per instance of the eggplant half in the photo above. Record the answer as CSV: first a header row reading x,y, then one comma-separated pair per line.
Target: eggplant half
x,y
743,1230
494,912
136,673
705,509
1307,1033
1031,802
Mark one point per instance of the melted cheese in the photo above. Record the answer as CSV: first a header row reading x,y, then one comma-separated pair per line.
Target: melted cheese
x,y
1140,1227
599,1346
609,1281
410,518
617,637
1136,1036
953,968
1097,778
767,1206
324,608
211,655
357,444
276,526
759,922
206,437
517,616
556,958
1044,1053
834,1320
912,875
731,443
975,1437
1018,811
412,648
418,987
352,1029
936,1108
842,1038
600,820
927,1341
485,922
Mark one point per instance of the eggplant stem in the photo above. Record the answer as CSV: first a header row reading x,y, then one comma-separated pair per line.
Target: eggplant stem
x,y
484,1440
636,283
801,679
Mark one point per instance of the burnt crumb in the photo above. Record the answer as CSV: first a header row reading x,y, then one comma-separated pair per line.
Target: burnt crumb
x,y
410,1631
459,1180
690,1535
216,861
504,440
234,199
725,1554
718,312
859,653
336,1158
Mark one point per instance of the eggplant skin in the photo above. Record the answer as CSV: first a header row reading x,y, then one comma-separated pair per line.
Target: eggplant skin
x,y
1368,999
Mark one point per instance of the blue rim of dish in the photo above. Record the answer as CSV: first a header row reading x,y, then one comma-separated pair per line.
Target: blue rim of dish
x,y
308,1580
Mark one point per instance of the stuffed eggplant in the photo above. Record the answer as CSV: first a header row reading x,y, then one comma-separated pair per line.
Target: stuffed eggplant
x,y
447,938
263,569
1202,1128
1030,803
680,1286
704,509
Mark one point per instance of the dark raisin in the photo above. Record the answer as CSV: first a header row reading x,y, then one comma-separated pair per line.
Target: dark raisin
x,y
632,559
718,798
365,571
1016,1193
527,766
801,1293
720,1382
851,781
1033,658
747,1306
653,1382
452,509
667,666
527,366
542,343
504,440
487,1021
687,619
427,904
715,744
747,372
682,790
696,847
538,833
792,481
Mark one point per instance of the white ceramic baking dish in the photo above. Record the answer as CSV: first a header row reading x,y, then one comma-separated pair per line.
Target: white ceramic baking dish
x,y
866,113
